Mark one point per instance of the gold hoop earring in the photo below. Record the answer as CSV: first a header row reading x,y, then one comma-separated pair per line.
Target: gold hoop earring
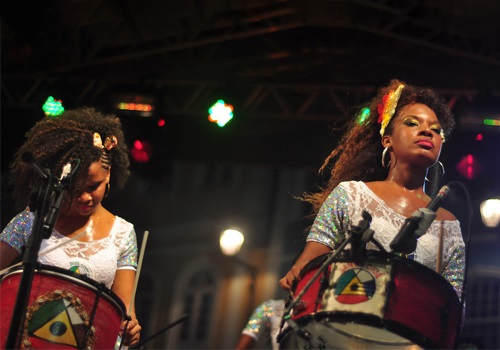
x,y
384,152
106,191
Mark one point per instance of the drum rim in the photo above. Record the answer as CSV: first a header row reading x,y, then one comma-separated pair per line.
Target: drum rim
x,y
81,280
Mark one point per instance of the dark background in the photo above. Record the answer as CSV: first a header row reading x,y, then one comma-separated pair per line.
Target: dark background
x,y
294,72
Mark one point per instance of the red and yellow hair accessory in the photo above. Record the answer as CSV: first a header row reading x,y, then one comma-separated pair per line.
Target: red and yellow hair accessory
x,y
387,108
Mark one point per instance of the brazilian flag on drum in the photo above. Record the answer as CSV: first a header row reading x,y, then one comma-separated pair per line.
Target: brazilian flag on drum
x,y
57,324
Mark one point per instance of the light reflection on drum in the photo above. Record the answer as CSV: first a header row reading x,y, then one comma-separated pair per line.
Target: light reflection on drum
x,y
385,302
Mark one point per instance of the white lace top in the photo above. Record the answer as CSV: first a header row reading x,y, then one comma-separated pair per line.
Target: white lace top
x,y
97,259
344,206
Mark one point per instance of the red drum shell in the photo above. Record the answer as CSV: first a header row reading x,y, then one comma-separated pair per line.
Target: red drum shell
x,y
65,310
411,304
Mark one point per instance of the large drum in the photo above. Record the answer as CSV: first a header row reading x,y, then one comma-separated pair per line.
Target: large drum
x,y
384,302
65,310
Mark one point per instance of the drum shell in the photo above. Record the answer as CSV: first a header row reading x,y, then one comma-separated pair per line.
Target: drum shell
x,y
96,307
415,302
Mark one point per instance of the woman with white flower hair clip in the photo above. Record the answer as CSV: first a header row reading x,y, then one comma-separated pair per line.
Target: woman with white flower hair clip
x,y
86,237
382,165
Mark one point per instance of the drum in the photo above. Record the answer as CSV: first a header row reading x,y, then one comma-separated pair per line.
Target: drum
x,y
65,310
384,302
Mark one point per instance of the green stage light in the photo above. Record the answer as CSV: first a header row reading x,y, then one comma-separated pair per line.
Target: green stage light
x,y
52,107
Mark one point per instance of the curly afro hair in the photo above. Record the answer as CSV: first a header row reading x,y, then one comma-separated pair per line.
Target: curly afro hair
x,y
54,142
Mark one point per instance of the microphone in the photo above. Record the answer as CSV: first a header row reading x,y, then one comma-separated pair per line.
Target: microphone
x,y
442,194
30,159
417,224
65,171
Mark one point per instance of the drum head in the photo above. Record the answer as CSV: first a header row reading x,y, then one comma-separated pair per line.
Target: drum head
x,y
325,334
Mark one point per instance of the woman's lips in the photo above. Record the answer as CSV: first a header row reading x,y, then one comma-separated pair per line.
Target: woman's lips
x,y
425,143
84,207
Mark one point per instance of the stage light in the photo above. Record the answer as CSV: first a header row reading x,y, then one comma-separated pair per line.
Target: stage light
x,y
490,212
363,116
231,241
139,107
129,104
491,122
141,151
220,113
52,107
469,167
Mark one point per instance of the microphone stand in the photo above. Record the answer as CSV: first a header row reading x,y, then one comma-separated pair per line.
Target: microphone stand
x,y
45,217
358,237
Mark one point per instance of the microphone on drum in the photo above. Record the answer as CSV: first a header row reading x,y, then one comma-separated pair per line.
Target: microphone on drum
x,y
360,235
45,173
417,224
66,171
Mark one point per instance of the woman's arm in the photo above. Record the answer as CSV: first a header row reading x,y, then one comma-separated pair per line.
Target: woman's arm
x,y
311,250
7,255
245,342
123,287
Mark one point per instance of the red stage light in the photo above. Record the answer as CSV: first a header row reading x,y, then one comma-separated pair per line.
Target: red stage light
x,y
469,167
141,151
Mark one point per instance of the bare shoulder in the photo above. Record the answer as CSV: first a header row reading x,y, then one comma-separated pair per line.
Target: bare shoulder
x,y
376,185
443,214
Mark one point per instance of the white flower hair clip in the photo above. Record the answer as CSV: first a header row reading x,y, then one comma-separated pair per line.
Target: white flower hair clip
x,y
109,143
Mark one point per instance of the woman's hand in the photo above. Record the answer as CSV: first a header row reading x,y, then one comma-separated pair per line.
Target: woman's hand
x,y
291,276
311,250
132,333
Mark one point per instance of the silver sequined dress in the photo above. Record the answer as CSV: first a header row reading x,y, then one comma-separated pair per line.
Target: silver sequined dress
x,y
264,323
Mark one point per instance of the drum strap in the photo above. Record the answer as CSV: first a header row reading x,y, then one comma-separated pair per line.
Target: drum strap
x,y
92,314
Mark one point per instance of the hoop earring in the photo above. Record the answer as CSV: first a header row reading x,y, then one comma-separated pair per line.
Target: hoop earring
x,y
106,191
442,169
384,152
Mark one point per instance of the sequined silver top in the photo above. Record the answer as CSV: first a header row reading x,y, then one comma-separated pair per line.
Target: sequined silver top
x,y
344,207
264,323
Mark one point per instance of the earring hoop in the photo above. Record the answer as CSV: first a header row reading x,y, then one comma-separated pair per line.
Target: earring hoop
x,y
384,152
442,169
106,191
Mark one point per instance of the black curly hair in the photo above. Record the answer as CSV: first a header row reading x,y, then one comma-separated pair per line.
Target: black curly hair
x,y
56,141
357,157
